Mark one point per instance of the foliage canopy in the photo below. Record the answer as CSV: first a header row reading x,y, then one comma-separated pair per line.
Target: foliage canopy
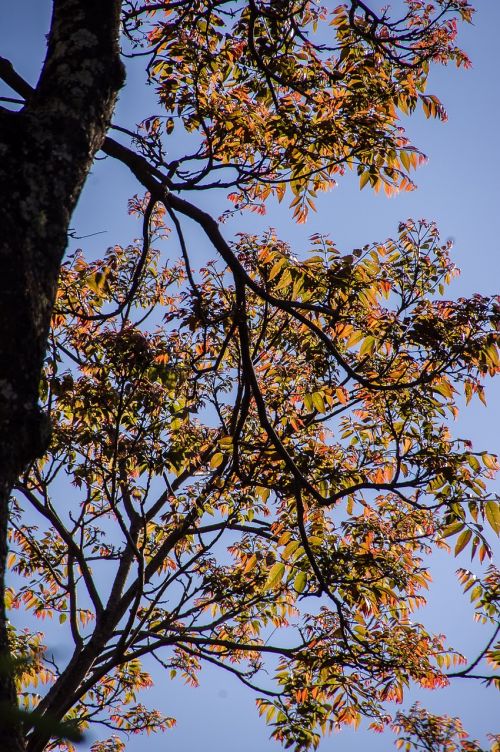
x,y
260,447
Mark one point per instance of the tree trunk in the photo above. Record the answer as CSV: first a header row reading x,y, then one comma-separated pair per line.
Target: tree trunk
x,y
46,151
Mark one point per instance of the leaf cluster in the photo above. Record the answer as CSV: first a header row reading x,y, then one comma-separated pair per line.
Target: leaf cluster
x,y
238,466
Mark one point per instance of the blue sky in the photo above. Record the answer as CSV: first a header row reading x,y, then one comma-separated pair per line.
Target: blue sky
x,y
459,188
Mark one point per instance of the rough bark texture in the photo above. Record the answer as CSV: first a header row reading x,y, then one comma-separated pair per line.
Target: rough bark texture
x,y
46,151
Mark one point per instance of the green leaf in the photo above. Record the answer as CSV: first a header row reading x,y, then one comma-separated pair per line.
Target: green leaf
x,y
462,541
275,575
290,549
473,462
492,511
318,402
300,582
308,402
368,346
452,529
405,159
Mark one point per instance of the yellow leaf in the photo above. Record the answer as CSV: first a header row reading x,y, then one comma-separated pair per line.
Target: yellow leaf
x,y
277,267
285,281
315,540
354,338
216,460
318,402
290,549
363,179
490,461
445,389
262,493
252,561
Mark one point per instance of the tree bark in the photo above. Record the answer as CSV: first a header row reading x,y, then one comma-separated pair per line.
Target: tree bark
x,y
46,151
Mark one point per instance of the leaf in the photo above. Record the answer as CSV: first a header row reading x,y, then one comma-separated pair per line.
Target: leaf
x,y
277,267
405,159
290,549
308,402
473,462
492,511
315,540
300,582
491,353
188,372
98,281
355,337
490,461
285,280
275,576
452,529
462,541
363,179
262,493
342,395
216,460
368,346
445,389
318,402
250,564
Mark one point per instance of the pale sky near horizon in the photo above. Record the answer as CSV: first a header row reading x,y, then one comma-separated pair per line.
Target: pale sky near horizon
x,y
459,188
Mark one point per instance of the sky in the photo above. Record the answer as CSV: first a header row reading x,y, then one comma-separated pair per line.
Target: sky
x,y
459,188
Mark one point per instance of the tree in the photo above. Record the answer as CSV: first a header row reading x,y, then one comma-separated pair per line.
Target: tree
x,y
39,186
277,436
